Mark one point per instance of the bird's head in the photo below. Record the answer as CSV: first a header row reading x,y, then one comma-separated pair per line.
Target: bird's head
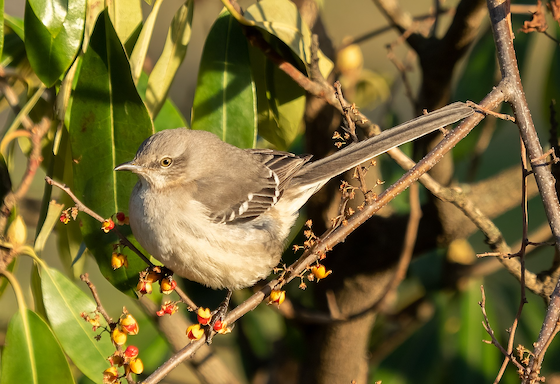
x,y
165,159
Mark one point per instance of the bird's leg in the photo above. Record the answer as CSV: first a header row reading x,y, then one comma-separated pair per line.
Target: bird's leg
x,y
218,315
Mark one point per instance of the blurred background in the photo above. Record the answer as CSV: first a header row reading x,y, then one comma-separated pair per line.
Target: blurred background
x,y
429,331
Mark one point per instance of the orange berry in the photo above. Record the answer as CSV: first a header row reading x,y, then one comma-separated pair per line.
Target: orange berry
x,y
129,324
167,285
152,277
195,332
110,375
277,297
107,225
136,366
118,336
144,287
320,272
203,315
221,327
118,260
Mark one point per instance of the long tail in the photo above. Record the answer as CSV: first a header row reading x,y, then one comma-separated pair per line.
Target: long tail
x,y
319,172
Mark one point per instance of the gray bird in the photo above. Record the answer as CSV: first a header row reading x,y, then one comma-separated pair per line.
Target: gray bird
x,y
220,215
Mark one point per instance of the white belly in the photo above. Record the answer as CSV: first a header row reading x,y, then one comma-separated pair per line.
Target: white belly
x,y
181,236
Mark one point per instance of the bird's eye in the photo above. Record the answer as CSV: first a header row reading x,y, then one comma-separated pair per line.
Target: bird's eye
x,y
165,162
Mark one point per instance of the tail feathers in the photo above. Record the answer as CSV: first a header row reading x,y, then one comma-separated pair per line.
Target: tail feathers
x,y
321,171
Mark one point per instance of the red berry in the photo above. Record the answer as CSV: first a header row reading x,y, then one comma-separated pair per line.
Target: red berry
x,y
131,351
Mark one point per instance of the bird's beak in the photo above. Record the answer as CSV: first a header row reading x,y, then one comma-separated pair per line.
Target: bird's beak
x,y
130,166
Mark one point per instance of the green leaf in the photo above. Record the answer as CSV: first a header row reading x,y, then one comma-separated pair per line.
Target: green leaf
x,y
1,27
281,18
15,24
224,101
32,353
64,303
11,268
141,48
52,13
169,117
69,239
53,214
52,49
108,123
173,54
126,17
14,49
94,9
470,349
36,292
280,102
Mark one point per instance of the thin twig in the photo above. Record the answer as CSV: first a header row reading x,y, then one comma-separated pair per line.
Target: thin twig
x,y
347,108
83,208
490,331
503,116
521,254
112,325
85,278
513,91
402,68
379,31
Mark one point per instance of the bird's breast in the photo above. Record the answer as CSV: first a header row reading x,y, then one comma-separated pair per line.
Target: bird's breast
x,y
178,232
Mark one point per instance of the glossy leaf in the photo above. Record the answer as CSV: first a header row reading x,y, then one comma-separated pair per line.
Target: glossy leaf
x,y
69,239
169,116
141,48
37,294
173,54
51,48
281,18
280,102
126,17
225,100
32,354
64,302
69,243
108,123
52,13
53,215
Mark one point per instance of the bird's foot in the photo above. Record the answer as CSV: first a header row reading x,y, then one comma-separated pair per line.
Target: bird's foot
x,y
217,324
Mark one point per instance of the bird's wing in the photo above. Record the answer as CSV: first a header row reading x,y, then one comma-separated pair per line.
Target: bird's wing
x,y
259,191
